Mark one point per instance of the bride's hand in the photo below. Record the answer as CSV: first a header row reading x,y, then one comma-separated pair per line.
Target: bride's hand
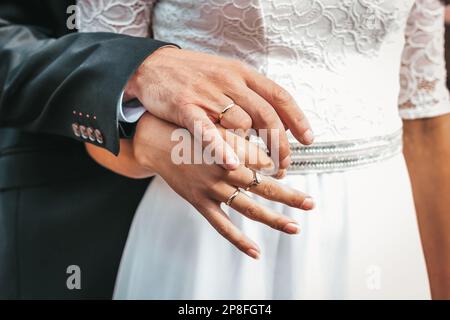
x,y
187,87
207,186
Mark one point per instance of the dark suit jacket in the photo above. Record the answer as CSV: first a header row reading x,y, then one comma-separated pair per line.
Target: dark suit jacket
x,y
57,207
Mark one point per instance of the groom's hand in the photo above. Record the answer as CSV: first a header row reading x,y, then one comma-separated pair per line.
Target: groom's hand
x,y
190,89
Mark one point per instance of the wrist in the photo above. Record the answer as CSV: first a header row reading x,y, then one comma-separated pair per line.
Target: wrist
x,y
151,143
129,92
139,78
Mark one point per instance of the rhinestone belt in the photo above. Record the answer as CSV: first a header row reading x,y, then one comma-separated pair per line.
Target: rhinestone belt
x,y
341,155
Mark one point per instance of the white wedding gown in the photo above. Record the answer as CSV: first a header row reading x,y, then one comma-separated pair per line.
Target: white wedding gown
x,y
342,61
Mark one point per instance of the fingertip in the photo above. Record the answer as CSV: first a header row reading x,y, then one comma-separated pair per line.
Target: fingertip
x,y
272,171
232,161
253,253
308,137
308,204
284,154
280,174
286,162
291,228
266,164
266,167
229,167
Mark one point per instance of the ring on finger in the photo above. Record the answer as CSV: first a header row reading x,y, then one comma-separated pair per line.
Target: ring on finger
x,y
228,107
257,179
233,196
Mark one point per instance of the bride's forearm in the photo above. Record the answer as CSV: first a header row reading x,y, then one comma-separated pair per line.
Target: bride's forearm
x,y
124,164
427,151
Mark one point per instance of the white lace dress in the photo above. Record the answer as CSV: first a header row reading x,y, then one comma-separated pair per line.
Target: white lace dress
x,y
346,62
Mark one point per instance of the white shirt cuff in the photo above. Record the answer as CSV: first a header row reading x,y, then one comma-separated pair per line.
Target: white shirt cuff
x,y
131,111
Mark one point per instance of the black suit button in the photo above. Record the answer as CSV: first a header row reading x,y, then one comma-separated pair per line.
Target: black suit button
x,y
91,134
83,131
98,136
76,129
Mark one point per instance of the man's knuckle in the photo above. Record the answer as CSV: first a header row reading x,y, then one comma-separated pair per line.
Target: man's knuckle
x,y
237,65
184,114
281,96
184,97
215,71
246,123
229,79
300,117
208,129
266,116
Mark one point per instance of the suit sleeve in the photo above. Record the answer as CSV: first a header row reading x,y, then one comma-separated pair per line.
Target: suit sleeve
x,y
67,85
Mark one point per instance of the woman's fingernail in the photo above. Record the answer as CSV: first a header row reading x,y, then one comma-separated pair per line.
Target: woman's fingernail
x,y
253,253
280,174
308,204
268,164
271,171
286,162
291,228
232,162
308,136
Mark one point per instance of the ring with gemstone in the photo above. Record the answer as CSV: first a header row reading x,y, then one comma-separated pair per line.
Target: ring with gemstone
x,y
257,179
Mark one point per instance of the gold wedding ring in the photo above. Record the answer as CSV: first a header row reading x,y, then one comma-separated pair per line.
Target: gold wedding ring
x,y
257,179
228,107
233,196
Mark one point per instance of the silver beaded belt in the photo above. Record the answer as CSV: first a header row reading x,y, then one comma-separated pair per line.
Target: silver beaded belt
x,y
341,155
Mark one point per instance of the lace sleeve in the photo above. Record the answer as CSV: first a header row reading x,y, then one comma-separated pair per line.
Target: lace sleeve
x,y
126,17
423,75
